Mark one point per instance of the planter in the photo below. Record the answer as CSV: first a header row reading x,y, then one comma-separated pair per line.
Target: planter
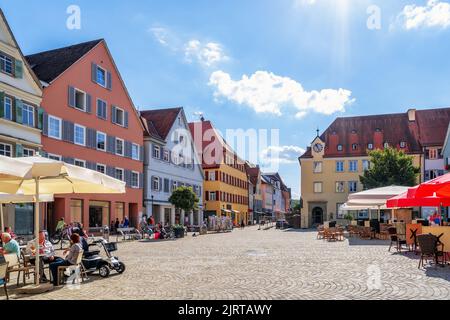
x,y
179,233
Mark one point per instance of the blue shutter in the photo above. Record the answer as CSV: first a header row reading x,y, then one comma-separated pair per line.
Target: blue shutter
x,y
91,138
88,103
45,124
91,165
71,97
141,153
108,80
111,144
68,131
110,171
2,104
94,72
69,160
40,118
128,149
126,119
113,114
127,174
141,180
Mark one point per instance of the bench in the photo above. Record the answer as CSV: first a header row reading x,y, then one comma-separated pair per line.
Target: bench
x,y
128,234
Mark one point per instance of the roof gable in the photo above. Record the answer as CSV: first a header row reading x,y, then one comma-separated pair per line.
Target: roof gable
x,y
160,121
7,36
49,65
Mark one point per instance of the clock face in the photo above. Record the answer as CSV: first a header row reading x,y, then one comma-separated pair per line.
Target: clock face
x,y
318,147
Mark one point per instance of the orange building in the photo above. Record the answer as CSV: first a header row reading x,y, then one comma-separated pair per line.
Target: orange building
x,y
90,121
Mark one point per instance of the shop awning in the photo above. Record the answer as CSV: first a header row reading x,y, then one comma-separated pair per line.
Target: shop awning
x,y
372,199
235,211
227,211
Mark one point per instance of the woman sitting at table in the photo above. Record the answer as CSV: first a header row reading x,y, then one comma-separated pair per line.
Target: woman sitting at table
x,y
46,252
71,258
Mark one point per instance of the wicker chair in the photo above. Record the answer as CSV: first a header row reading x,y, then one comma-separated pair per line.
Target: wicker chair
x,y
428,244
320,232
395,239
366,233
384,234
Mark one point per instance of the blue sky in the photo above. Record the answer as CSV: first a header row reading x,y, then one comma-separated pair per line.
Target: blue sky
x,y
292,65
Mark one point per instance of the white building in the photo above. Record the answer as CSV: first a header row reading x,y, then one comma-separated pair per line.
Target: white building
x,y
170,162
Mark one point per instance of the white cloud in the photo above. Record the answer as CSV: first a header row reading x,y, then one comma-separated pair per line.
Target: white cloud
x,y
206,54
433,14
266,92
281,155
161,35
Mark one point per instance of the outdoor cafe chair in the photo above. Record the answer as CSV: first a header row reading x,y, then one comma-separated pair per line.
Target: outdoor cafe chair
x,y
395,239
3,275
320,232
78,267
429,244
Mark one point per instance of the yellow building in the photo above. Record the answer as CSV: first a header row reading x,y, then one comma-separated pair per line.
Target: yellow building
x,y
226,183
333,163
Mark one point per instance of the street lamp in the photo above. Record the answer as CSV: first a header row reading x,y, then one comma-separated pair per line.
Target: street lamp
x,y
152,206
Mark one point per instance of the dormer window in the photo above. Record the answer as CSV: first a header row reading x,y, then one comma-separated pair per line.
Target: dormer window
x,y
386,145
354,131
370,146
377,130
354,146
340,147
402,144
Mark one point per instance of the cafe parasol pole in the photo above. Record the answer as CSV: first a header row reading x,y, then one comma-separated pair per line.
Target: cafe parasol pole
x,y
36,231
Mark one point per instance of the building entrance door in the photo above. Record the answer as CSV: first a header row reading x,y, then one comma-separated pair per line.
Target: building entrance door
x,y
317,216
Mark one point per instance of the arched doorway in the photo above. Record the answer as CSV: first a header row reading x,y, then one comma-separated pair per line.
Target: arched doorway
x,y
317,216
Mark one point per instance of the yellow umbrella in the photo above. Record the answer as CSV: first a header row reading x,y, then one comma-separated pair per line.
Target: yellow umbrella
x,y
36,175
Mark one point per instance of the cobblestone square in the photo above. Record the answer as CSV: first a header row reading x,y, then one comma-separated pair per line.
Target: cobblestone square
x,y
262,264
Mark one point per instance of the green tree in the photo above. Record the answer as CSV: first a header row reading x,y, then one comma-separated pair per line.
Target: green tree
x,y
184,198
389,167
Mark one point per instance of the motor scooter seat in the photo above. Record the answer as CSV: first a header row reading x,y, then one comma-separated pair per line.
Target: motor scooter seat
x,y
91,254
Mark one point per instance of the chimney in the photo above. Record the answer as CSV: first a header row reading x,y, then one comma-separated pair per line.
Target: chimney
x,y
412,115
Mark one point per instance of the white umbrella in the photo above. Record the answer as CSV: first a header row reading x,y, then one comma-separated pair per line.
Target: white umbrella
x,y
6,198
37,175
372,199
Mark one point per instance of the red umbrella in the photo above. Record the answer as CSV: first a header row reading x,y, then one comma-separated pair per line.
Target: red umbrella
x,y
405,200
439,187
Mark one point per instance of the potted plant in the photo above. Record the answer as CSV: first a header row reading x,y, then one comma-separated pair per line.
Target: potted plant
x,y
183,198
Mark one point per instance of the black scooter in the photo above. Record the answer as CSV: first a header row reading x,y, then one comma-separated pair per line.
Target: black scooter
x,y
93,260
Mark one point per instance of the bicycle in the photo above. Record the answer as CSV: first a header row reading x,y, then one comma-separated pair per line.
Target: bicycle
x,y
60,236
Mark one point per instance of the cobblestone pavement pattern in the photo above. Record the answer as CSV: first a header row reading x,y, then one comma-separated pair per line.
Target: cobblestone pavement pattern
x,y
257,264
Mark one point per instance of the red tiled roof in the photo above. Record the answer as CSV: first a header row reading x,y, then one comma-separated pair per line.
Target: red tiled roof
x,y
253,173
429,129
159,122
433,126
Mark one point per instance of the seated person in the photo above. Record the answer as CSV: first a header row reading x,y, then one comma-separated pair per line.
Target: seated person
x,y
46,252
10,231
83,241
71,258
10,246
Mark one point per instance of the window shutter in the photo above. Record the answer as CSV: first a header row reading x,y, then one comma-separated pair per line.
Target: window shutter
x,y
217,175
108,80
2,104
127,150
110,171
166,185
68,131
45,124
111,144
128,177
19,150
69,160
427,175
94,72
206,175
152,183
40,118
91,136
141,180
207,196
88,103
19,110
18,69
126,119
91,165
71,97
113,114
141,153
161,154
